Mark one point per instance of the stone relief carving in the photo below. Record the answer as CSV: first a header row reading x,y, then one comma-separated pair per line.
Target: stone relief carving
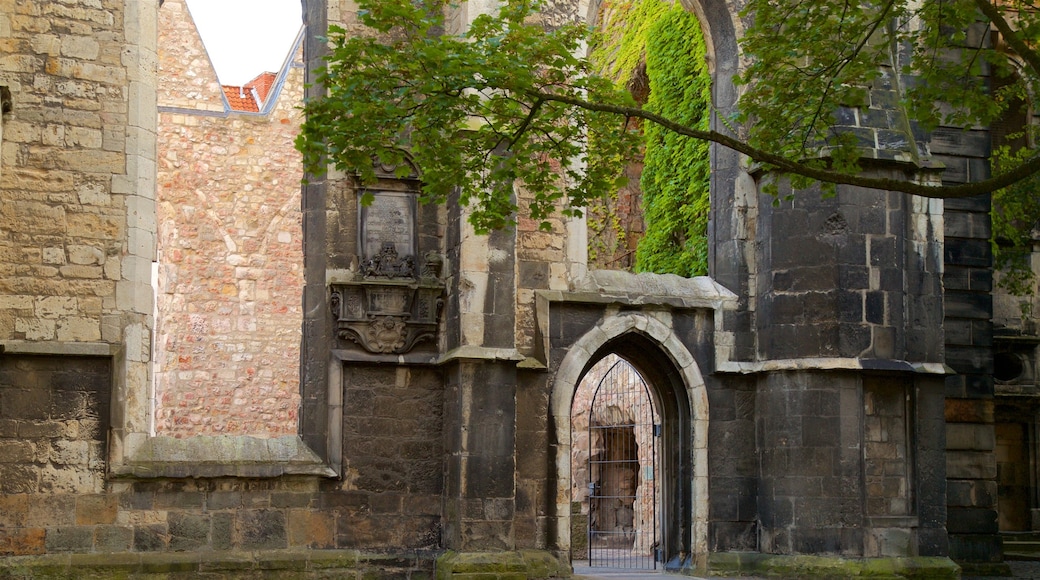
x,y
387,263
395,296
388,316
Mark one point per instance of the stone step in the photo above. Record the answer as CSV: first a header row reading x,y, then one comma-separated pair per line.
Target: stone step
x,y
1021,545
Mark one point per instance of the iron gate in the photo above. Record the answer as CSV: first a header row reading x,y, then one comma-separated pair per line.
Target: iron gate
x,y
623,470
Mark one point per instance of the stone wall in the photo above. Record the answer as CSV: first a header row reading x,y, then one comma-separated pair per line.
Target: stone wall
x,y
230,273
65,189
54,420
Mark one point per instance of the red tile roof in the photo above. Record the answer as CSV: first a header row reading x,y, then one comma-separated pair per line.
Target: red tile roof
x,y
251,96
262,84
240,99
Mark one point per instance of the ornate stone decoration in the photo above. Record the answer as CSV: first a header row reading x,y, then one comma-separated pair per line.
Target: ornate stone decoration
x,y
387,263
389,314
387,334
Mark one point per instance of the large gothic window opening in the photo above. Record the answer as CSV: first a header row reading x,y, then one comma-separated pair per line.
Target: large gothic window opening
x,y
658,220
229,273
616,498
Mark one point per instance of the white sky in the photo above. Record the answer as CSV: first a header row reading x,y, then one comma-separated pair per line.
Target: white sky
x,y
246,37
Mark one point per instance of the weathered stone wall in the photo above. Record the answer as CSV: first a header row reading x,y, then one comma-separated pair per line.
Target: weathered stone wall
x,y
77,211
186,75
230,249
968,283
54,420
1014,314
393,458
65,188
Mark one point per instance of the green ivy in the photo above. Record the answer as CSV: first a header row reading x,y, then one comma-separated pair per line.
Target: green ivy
x,y
676,169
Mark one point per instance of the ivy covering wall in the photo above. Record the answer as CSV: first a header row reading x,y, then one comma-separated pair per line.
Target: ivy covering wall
x,y
657,50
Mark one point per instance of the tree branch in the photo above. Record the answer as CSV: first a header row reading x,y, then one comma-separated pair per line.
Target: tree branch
x,y
1014,41
1026,169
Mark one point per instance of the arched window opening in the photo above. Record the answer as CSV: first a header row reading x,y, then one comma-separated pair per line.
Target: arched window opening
x,y
229,273
658,220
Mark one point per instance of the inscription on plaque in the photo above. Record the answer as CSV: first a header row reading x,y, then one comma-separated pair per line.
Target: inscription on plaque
x,y
390,219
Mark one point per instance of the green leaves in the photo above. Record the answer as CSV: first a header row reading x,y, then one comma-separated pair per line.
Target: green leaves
x,y
513,101
676,169
468,109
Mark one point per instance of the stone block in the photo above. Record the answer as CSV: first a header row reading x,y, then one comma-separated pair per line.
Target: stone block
x,y
260,529
70,539
971,520
311,529
222,531
969,410
970,436
971,465
113,538
188,531
96,509
22,541
12,451
151,538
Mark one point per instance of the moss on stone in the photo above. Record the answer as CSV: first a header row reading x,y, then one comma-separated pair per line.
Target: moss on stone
x,y
523,565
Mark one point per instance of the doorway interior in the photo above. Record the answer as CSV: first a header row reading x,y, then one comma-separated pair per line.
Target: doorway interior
x,y
616,466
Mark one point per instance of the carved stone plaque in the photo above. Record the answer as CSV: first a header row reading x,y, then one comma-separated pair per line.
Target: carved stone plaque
x,y
390,219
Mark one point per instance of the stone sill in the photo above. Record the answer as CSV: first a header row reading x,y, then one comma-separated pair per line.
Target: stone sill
x,y
835,364
224,564
221,456
53,347
619,287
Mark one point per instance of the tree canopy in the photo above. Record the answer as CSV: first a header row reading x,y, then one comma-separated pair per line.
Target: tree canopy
x,y
514,98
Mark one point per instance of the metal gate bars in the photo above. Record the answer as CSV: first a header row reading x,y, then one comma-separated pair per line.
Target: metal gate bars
x,y
623,470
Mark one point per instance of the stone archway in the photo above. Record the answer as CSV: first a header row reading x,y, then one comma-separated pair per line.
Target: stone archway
x,y
648,340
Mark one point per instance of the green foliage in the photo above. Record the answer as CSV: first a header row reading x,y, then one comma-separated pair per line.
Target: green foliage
x,y
808,57
676,170
509,99
619,48
1016,215
470,110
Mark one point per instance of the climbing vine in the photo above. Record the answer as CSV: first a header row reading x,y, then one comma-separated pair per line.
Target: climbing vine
x,y
660,45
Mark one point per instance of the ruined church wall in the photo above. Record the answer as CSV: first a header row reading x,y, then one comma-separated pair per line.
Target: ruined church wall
x,y
186,75
69,178
230,250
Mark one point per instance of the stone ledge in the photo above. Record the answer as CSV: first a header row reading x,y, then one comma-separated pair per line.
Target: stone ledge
x,y
231,564
53,347
833,363
221,456
473,352
616,286
803,566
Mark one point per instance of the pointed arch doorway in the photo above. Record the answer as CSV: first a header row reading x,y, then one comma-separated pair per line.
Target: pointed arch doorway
x,y
679,479
615,428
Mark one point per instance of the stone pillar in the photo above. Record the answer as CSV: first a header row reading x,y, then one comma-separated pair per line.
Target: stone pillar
x,y
480,490
849,426
480,396
971,463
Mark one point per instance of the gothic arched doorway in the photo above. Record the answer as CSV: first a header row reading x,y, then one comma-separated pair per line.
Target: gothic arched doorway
x,y
679,487
615,428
